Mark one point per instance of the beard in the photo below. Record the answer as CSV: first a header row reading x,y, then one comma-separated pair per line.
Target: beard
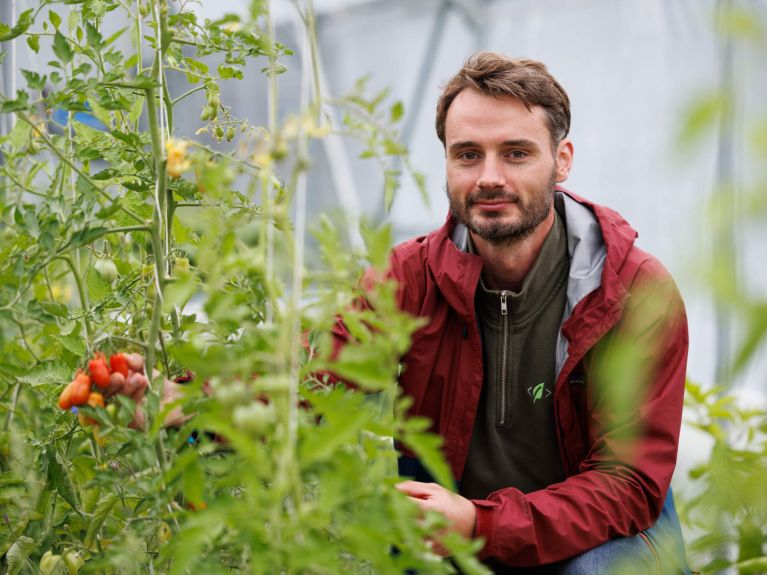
x,y
491,226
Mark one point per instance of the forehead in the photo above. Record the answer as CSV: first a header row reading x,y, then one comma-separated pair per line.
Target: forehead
x,y
478,117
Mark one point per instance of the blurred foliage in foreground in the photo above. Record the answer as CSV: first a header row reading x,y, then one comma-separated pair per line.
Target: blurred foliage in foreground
x,y
119,236
726,509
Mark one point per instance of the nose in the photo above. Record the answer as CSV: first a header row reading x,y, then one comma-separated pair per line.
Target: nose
x,y
491,176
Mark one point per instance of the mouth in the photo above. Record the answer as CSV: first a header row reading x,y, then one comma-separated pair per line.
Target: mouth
x,y
492,206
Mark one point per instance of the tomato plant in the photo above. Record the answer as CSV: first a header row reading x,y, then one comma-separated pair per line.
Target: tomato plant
x,y
121,238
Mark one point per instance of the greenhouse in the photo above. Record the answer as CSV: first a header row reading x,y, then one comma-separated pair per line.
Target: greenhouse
x,y
257,315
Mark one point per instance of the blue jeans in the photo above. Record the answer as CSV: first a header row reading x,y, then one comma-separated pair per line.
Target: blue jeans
x,y
658,550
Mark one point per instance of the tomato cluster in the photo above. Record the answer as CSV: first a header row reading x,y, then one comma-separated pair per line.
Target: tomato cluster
x,y
122,373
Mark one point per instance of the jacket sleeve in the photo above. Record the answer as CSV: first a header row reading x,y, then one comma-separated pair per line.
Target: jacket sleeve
x,y
636,377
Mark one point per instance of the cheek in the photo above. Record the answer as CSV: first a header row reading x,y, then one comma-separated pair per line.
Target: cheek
x,y
460,180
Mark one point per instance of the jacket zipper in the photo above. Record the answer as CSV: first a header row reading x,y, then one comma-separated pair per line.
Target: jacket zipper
x,y
504,360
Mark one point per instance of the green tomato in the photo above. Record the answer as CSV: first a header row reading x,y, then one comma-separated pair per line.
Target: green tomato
x,y
219,132
229,134
73,561
181,265
51,564
107,269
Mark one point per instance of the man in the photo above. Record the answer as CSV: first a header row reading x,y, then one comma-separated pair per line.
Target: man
x,y
553,364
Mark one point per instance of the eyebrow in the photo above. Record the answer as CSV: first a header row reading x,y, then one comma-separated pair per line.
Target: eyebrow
x,y
517,143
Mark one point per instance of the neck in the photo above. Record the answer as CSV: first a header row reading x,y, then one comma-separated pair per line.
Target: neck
x,y
506,265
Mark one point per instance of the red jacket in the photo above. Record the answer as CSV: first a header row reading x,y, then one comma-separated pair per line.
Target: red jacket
x,y
614,486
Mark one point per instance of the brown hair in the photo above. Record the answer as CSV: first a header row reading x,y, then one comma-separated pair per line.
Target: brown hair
x,y
497,75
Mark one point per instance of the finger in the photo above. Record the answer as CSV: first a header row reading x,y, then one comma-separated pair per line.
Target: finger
x,y
417,488
423,504
131,384
135,362
141,383
116,383
171,391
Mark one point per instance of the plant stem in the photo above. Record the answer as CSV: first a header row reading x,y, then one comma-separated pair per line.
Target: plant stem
x,y
63,157
83,299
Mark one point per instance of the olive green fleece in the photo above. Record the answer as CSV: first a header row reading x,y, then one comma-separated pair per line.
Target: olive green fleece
x,y
514,441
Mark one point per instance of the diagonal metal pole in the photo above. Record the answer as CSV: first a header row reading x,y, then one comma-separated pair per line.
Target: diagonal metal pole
x,y
413,110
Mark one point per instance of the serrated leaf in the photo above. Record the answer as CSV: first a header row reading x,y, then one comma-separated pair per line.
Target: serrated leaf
x,y
46,373
20,103
228,72
18,553
100,515
93,36
73,344
61,48
25,21
55,308
87,235
59,479
145,82
98,288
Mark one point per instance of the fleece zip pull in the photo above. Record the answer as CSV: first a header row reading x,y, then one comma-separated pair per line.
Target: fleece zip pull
x,y
502,387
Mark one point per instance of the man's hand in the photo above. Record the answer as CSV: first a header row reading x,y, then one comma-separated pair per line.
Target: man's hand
x,y
135,386
460,513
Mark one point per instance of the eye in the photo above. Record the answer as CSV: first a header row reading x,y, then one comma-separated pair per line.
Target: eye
x,y
517,155
468,156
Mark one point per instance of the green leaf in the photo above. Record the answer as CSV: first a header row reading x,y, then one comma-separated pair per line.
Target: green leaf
x,y
228,72
178,292
426,447
99,516
193,480
18,553
59,479
55,19
145,82
20,103
95,40
396,112
46,373
87,235
34,43
755,566
19,134
98,288
25,21
73,344
343,419
61,48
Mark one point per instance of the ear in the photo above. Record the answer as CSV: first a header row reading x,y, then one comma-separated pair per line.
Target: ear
x,y
564,160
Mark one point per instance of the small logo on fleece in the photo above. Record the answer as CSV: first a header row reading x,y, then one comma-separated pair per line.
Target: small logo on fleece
x,y
539,391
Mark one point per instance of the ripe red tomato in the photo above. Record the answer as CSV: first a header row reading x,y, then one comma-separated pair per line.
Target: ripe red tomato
x,y
65,399
81,389
99,370
119,364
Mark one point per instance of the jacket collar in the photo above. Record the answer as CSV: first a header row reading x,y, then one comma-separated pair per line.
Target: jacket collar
x,y
598,240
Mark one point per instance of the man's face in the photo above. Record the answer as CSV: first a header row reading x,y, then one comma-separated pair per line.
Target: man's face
x,y
501,168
